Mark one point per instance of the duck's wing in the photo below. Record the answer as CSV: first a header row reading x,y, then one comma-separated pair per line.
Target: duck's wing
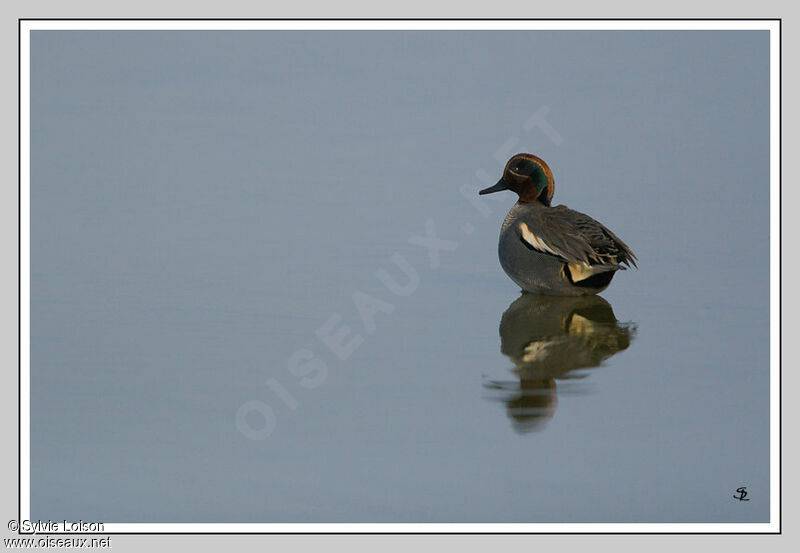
x,y
575,237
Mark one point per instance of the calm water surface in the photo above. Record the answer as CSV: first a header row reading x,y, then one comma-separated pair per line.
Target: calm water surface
x,y
264,288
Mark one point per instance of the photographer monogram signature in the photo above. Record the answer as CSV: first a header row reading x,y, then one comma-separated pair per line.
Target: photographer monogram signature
x,y
742,494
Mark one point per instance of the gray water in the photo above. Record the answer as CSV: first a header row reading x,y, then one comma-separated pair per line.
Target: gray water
x,y
206,206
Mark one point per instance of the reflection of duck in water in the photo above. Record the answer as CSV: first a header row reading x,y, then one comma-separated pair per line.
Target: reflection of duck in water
x,y
547,338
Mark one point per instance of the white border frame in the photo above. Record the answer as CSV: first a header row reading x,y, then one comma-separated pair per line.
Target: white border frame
x,y
775,174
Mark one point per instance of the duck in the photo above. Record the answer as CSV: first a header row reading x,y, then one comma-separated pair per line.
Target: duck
x,y
553,250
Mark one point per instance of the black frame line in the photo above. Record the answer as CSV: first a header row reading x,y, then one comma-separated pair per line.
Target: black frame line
x,y
779,20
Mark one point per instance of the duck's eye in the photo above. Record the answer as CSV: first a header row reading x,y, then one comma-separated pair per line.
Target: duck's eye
x,y
524,167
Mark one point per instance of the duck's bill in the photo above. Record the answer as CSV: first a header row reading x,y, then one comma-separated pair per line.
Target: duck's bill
x,y
501,185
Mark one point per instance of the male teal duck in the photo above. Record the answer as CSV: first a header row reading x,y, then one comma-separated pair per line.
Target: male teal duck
x,y
553,250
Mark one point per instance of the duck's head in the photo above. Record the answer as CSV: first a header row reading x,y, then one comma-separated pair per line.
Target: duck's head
x,y
528,176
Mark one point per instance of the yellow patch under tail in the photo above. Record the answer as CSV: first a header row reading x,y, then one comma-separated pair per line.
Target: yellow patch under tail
x,y
582,271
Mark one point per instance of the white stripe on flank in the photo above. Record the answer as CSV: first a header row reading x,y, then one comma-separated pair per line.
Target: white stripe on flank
x,y
538,351
535,241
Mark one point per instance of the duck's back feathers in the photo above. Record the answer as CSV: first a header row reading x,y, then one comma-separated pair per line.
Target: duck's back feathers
x,y
573,236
